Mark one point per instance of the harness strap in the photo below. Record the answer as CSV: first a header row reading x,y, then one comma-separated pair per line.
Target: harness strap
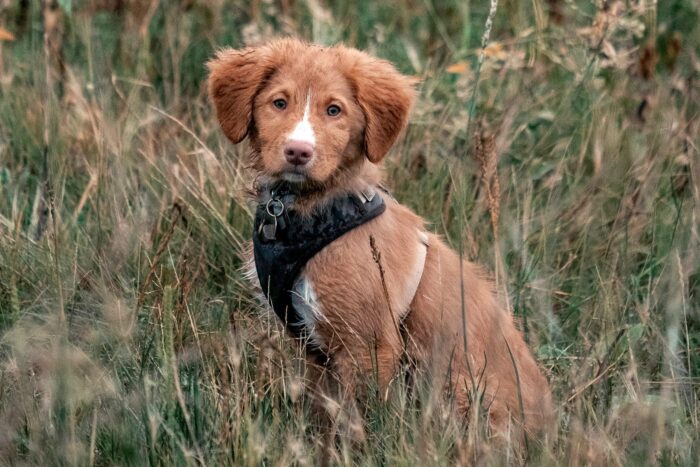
x,y
284,241
414,280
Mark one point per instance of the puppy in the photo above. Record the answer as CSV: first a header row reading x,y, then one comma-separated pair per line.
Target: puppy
x,y
348,269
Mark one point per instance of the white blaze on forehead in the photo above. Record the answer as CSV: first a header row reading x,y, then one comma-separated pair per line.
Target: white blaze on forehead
x,y
303,131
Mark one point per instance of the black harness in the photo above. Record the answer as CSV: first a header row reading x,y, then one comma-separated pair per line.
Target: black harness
x,y
284,241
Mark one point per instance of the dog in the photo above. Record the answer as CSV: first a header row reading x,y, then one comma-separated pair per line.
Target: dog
x,y
350,271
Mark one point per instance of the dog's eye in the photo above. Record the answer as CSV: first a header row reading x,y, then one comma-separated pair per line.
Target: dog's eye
x,y
280,104
333,110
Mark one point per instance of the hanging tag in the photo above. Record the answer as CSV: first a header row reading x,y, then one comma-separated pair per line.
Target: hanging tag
x,y
274,208
269,231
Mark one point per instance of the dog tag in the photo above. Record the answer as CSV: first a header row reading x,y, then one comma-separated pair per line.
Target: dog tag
x,y
274,209
269,231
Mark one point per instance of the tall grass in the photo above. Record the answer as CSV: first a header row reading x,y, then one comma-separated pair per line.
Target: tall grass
x,y
128,335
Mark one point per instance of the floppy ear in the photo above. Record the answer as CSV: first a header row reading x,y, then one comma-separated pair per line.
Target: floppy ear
x,y
235,77
386,97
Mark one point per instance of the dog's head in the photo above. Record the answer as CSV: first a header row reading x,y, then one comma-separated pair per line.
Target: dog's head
x,y
310,112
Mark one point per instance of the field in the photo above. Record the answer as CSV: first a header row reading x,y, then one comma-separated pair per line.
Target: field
x,y
564,155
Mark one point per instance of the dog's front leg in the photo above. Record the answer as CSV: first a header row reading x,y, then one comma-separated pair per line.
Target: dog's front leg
x,y
341,387
370,364
334,410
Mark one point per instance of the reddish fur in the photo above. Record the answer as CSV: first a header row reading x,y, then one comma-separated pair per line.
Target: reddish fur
x,y
359,322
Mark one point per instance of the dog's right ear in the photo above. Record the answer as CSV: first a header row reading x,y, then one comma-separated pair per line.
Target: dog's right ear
x,y
235,77
385,96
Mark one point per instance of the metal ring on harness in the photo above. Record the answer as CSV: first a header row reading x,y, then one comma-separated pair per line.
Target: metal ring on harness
x,y
273,206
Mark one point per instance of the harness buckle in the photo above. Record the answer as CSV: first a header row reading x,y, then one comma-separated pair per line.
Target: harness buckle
x,y
368,194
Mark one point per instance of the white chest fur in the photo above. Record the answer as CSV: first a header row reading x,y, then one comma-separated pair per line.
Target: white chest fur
x,y
305,302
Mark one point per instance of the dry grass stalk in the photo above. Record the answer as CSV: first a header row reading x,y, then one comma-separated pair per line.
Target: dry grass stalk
x,y
486,156
53,41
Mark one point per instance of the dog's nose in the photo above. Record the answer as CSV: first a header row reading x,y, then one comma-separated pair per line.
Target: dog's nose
x,y
298,152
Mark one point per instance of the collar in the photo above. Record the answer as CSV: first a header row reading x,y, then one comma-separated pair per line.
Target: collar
x,y
284,240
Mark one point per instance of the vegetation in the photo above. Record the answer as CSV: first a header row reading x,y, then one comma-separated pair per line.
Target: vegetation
x,y
565,159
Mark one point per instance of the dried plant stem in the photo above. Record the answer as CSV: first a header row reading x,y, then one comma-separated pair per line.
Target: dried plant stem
x,y
47,202
472,105
377,257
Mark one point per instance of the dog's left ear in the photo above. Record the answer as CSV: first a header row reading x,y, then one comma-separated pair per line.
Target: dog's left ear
x,y
386,97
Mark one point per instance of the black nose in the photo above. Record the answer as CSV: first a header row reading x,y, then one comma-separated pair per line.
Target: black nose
x,y
298,152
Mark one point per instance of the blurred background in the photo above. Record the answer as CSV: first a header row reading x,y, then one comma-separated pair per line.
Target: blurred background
x,y
563,154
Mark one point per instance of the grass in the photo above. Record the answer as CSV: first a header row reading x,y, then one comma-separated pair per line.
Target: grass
x,y
129,337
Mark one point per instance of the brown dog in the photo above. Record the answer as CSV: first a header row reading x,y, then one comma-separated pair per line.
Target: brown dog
x,y
319,120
